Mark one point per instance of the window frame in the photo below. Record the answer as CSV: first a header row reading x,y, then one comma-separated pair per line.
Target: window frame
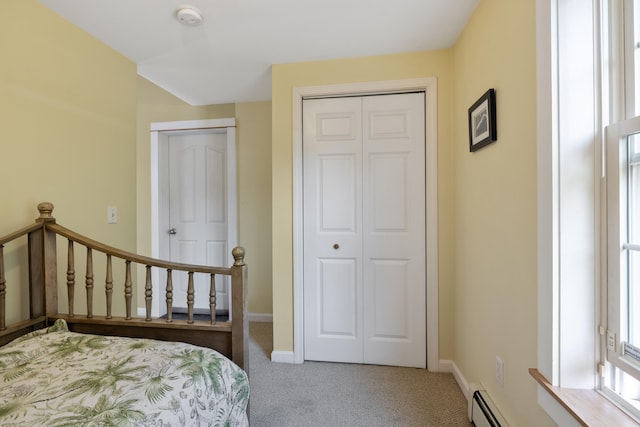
x,y
617,204
617,209
619,39
569,121
568,244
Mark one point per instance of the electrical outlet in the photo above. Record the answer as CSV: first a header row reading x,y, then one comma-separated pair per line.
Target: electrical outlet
x,y
499,370
112,215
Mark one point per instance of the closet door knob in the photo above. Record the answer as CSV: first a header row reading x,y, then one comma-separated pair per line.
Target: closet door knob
x,y
336,246
173,231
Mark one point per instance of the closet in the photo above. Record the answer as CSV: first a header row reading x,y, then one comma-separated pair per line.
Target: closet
x,y
364,229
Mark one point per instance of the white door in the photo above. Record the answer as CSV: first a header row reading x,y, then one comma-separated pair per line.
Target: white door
x,y
198,221
364,229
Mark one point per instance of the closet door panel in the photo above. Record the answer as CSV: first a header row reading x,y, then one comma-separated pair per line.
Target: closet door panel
x,y
332,162
394,257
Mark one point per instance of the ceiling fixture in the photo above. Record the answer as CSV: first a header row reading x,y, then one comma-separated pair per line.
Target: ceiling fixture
x,y
189,15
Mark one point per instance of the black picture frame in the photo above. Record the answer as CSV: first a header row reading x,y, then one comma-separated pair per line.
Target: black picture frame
x,y
482,121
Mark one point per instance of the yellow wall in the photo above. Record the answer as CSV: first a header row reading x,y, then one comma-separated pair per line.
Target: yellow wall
x,y
253,120
68,108
254,177
495,209
390,67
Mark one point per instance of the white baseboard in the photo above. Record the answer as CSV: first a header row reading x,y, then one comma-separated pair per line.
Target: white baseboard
x,y
283,357
445,366
261,317
465,387
451,367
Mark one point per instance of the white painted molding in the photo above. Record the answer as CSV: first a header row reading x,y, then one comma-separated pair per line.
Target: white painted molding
x,y
446,366
461,380
553,84
429,86
466,387
556,411
283,357
192,124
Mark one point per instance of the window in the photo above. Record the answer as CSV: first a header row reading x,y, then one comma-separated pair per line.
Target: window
x,y
621,376
632,46
589,239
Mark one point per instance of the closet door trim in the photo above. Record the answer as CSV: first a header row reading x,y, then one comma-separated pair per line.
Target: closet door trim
x,y
429,86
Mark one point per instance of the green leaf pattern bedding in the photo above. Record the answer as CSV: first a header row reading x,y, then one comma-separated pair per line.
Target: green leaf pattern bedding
x,y
54,377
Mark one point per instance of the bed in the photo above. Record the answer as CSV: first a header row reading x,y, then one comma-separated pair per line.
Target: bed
x,y
59,367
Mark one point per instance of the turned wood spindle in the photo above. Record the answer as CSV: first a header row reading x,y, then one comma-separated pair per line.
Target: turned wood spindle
x,y
3,292
128,289
71,277
148,295
89,283
169,296
109,286
212,299
190,298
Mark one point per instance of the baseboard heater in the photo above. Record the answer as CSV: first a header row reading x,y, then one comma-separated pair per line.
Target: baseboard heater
x,y
482,411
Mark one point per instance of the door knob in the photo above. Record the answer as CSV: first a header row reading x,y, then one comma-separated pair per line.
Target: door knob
x,y
172,231
336,246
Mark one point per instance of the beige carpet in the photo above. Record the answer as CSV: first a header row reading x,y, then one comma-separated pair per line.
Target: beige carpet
x,y
337,394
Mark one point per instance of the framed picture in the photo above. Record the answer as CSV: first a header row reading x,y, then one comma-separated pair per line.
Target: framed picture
x,y
482,121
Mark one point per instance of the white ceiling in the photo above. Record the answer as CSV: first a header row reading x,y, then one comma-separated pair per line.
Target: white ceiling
x,y
228,57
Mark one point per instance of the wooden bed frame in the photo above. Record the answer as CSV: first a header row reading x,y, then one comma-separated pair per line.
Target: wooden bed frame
x,y
229,337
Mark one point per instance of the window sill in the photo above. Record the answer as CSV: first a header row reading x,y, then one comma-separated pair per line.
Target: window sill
x,y
588,407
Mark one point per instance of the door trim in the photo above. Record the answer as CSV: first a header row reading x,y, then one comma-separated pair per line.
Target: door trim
x,y
429,86
158,132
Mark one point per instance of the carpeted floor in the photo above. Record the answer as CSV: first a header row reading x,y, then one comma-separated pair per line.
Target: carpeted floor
x,y
337,394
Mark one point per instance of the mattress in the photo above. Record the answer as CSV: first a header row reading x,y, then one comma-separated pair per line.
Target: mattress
x,y
55,377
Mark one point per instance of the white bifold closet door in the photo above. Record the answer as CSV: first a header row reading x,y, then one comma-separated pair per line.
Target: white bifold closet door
x,y
364,229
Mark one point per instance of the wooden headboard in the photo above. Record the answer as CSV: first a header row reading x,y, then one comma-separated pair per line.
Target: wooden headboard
x,y
227,337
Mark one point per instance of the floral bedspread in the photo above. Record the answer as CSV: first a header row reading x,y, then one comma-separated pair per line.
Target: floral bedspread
x,y
54,377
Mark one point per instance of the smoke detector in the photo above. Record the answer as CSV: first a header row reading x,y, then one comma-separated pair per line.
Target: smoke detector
x,y
189,15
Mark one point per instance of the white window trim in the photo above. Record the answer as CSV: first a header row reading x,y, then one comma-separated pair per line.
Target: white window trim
x,y
568,303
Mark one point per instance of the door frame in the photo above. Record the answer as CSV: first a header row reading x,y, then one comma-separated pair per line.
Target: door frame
x,y
159,132
429,86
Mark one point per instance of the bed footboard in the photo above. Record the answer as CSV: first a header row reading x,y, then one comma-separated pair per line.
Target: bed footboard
x,y
227,337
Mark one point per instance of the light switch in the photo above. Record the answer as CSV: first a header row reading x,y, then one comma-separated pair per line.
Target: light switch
x,y
112,215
